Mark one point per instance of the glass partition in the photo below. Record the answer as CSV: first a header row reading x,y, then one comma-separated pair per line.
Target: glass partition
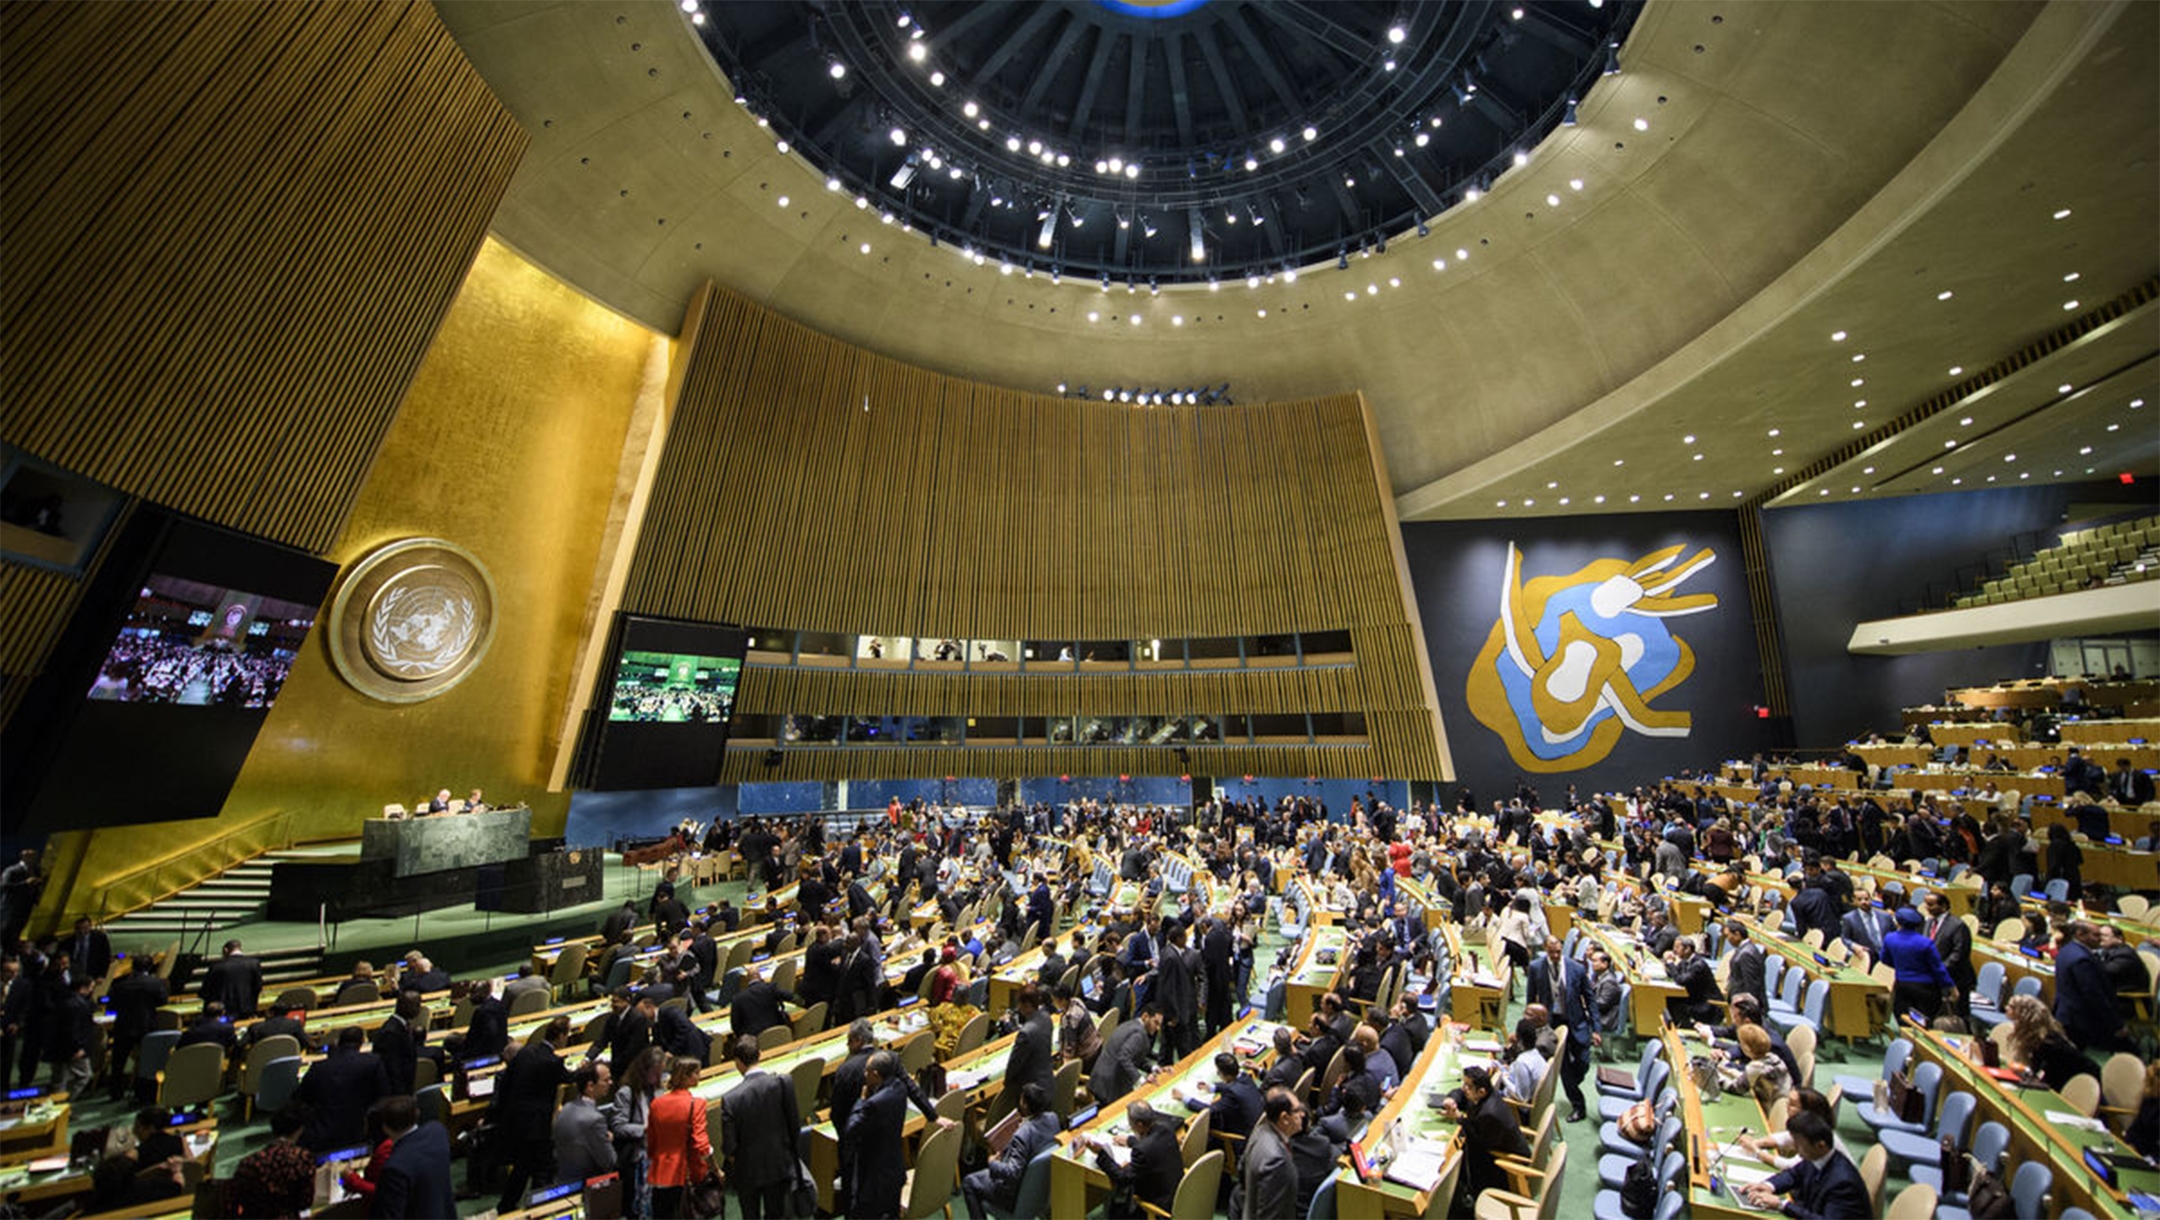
x,y
825,648
1225,652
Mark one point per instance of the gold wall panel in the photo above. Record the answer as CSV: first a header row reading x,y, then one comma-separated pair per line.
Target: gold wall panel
x,y
810,484
231,231
505,445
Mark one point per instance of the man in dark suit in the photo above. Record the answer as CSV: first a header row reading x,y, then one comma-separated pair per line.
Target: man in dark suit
x,y
1030,1062
673,1029
1953,940
416,1177
89,950
1267,1175
998,1184
338,1090
1489,1130
1563,987
1289,1063
871,1146
1218,965
234,980
1864,928
2128,785
758,1125
423,976
1126,1056
524,1112
136,997
1152,1173
1745,963
211,1025
288,1024
1177,992
396,1042
2084,1000
616,927
757,1007
632,1032
1238,1101
1822,1183
488,1033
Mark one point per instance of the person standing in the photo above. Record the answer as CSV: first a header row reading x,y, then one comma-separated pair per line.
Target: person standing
x,y
396,1044
2084,1002
89,949
1268,1181
235,980
583,1147
759,1121
871,1146
1563,986
641,1082
1030,1062
338,1091
136,997
1923,982
524,1111
70,1034
1953,943
678,1148
20,885
416,1179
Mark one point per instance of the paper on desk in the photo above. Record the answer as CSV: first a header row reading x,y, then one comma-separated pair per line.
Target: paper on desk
x,y
1488,1045
1738,1175
964,1080
1419,1166
2061,1118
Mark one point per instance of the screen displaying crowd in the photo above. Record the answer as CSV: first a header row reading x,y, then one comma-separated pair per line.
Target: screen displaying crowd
x,y
201,645
674,688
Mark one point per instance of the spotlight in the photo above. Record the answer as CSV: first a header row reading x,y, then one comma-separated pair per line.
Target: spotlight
x,y
1276,145
1423,229
1147,227
1048,231
1106,281
1132,169
1342,258
904,175
1057,274
1253,211
1567,114
1154,289
1612,60
836,70
1396,34
918,52
897,136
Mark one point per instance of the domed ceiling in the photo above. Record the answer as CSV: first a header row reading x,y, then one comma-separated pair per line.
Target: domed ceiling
x,y
1179,141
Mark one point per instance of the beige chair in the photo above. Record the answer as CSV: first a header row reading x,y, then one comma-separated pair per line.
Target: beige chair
x,y
2083,1094
569,968
193,1075
972,1034
786,945
783,975
1195,1140
1874,1167
2010,930
1528,1176
526,1003
929,1186
280,1047
808,1076
2122,1086
1801,1042
1498,1204
1195,1198
810,1021
953,1105
1333,1075
358,991
2133,906
1775,1116
917,1051
774,1036
1065,1087
1105,1023
1915,1202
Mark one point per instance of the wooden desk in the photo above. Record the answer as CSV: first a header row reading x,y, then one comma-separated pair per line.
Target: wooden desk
x,y
1711,1125
1310,977
1077,1184
1437,1070
2034,1134
1644,974
1856,1005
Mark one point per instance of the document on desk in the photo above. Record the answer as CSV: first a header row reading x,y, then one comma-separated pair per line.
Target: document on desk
x,y
2063,1118
1419,1166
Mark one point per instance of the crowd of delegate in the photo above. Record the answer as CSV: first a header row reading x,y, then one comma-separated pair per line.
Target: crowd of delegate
x,y
927,902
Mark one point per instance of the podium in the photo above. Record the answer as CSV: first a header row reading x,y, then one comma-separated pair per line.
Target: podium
x,y
447,841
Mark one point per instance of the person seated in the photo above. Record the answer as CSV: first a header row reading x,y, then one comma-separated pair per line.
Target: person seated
x,y
1525,1065
1823,1185
2038,1045
150,1170
1776,1150
1237,1102
211,1025
1155,1167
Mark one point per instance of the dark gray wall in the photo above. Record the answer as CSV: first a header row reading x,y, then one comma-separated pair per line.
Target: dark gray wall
x,y
1458,570
1835,565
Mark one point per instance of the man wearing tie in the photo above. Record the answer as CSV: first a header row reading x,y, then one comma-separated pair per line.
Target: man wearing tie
x,y
1552,973
1953,940
2130,786
1406,929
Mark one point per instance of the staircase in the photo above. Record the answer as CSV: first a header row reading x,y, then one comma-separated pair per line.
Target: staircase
x,y
198,914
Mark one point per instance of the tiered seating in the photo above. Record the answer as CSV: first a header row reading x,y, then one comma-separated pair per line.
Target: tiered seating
x,y
2120,553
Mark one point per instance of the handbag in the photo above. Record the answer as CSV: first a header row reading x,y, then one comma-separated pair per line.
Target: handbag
x,y
704,1196
1907,1102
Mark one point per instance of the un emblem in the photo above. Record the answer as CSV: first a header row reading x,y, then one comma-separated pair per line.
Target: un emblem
x,y
1574,660
411,619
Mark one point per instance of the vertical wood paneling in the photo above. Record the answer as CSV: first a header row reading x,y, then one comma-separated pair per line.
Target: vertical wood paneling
x,y
232,230
949,508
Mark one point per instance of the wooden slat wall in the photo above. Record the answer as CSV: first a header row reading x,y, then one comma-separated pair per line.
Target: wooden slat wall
x,y
953,509
231,231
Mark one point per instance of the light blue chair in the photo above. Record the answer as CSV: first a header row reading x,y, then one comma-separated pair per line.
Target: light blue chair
x,y
1928,1080
1323,1201
1953,1121
277,1082
1987,1148
1811,1012
1894,1061
1606,1204
1033,1201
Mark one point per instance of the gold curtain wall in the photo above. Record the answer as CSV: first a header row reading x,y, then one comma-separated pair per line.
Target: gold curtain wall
x,y
231,230
808,484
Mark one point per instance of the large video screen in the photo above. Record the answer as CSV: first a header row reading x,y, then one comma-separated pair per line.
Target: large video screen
x,y
164,677
674,688
202,645
661,716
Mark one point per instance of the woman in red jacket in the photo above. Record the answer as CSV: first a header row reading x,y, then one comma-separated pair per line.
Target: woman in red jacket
x,y
678,1152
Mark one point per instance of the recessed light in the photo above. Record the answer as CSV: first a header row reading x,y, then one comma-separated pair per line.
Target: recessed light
x,y
1093,316
1867,470
1856,491
1263,313
1134,319
1597,499
1698,457
1552,486
1775,431
1619,461
1777,453
1991,478
1563,501
1574,184
1177,319
1689,439
1634,499
1668,497
1949,444
1527,501
1503,504
1857,382
2114,427
2085,451
1956,481
1837,336
1777,470
1944,295
2071,278
1439,264
2064,388
2070,305
1937,470
1349,296
1957,370
2062,213
2024,474
1702,495
1859,403
782,201
1642,124
1858,357
1965,422
1552,201
1859,424
1736,495
2135,403
2009,457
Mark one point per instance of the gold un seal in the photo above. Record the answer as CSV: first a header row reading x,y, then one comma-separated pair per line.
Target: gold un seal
x,y
411,619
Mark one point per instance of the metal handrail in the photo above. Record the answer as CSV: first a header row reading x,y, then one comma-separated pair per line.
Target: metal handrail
x,y
194,875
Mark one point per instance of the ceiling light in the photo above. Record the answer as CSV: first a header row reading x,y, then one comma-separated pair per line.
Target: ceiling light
x,y
1439,264
1421,139
1563,501
1937,470
2071,278
1134,319
862,201
1642,124
1858,357
1396,33
2114,427
2070,304
1502,504
1461,255
866,247
1868,470
1965,422
1568,117
1954,482
1521,158
1012,143
1668,497
1777,453
1859,424
1552,201
937,79
1698,457
1311,133
1263,313
1574,184
1777,470
1552,486
1004,267
1619,461
1612,53
1527,501
897,136
2062,213
1276,144
1132,169
1095,317
918,52
1957,370
832,184
1944,295
2009,457
1177,319
1775,431
1349,296
2135,403
836,70
781,201
1857,382
1837,336
2064,388
1689,439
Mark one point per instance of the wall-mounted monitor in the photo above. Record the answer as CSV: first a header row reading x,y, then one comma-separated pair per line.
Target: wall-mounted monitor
x,y
661,715
153,697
